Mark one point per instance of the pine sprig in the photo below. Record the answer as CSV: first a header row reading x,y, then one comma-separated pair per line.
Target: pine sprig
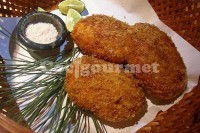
x,y
44,103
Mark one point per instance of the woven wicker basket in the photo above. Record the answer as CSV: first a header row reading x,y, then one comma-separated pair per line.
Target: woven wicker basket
x,y
181,15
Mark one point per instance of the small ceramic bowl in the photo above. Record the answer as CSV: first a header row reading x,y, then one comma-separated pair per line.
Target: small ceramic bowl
x,y
44,17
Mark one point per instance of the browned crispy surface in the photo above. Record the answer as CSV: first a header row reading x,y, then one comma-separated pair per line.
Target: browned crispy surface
x,y
115,41
111,96
154,46
103,37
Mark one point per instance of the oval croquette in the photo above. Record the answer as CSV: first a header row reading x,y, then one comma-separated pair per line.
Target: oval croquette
x,y
115,41
156,47
112,96
103,37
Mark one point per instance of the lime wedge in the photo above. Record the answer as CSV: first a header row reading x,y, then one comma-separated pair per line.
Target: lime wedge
x,y
77,5
40,9
72,18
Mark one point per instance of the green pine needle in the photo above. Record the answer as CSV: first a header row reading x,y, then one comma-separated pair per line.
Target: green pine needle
x,y
50,108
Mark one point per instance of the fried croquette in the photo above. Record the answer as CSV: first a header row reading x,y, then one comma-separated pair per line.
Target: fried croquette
x,y
115,41
103,37
112,96
154,46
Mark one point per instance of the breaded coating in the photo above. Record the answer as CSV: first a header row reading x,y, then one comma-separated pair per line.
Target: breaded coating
x,y
112,96
118,42
104,37
154,46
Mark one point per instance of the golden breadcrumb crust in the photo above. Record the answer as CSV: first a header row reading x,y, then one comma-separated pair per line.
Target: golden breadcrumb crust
x,y
111,96
115,41
155,46
103,37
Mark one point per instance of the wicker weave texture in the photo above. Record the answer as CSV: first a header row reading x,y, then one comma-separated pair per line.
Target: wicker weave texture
x,y
183,117
13,8
183,17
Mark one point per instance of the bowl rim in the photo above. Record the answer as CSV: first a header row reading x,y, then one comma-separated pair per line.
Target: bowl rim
x,y
21,37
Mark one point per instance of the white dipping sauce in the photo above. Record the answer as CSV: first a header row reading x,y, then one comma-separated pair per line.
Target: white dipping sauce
x,y
42,33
